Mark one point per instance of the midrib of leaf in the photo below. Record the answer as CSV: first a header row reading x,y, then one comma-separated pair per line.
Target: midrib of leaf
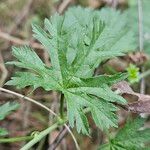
x,y
60,53
57,52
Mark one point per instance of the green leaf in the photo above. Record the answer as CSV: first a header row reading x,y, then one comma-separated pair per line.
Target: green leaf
x,y
130,137
7,108
55,43
28,59
97,81
3,132
87,95
40,75
77,43
24,79
104,43
75,112
101,110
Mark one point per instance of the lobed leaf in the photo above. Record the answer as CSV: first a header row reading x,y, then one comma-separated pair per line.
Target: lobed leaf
x,y
77,43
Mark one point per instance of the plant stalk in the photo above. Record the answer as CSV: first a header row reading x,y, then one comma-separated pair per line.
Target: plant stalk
x,y
16,139
40,136
141,41
62,106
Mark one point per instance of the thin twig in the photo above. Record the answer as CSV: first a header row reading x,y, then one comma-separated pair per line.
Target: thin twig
x,y
18,41
76,143
22,15
64,6
43,106
114,3
58,139
140,19
54,108
141,41
28,99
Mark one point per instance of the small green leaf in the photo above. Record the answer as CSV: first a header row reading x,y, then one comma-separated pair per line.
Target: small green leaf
x,y
7,108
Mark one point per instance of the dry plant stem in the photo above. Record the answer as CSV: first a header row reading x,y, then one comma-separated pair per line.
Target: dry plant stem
x,y
64,6
142,85
22,15
28,99
58,139
141,41
18,41
114,3
44,107
140,19
75,141
54,107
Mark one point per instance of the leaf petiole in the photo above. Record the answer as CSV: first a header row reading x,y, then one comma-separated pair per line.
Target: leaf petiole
x,y
62,106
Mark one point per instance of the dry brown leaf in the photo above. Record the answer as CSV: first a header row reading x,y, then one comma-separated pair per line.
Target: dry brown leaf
x,y
142,105
138,58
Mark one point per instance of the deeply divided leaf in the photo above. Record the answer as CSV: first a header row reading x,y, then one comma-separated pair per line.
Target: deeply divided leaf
x,y
77,43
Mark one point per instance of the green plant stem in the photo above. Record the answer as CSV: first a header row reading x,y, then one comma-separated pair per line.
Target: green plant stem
x,y
62,106
42,106
40,136
15,139
45,132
